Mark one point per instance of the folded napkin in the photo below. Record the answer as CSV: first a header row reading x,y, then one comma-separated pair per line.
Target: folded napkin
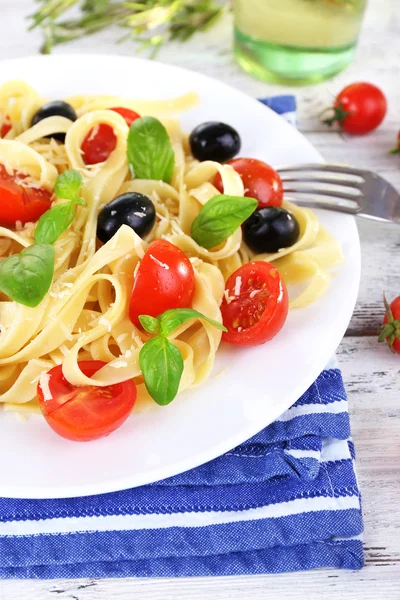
x,y
286,500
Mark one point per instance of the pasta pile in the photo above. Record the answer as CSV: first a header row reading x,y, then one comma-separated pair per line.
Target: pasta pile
x,y
85,314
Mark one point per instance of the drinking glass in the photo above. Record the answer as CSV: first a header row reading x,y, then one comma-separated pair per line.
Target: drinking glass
x,y
296,41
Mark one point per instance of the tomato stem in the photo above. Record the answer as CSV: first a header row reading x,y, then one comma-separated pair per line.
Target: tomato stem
x,y
339,115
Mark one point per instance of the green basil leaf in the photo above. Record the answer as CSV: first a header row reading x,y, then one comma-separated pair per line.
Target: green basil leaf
x,y
162,367
150,153
54,222
150,324
68,184
220,217
26,277
171,319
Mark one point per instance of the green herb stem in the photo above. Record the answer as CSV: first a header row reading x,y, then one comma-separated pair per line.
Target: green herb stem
x,y
152,22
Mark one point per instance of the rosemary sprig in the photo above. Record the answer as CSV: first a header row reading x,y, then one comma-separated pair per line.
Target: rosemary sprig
x,y
150,21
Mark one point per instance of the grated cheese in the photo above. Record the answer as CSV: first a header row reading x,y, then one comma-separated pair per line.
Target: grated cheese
x,y
228,298
61,294
93,133
121,338
163,265
44,386
63,349
238,285
118,364
106,322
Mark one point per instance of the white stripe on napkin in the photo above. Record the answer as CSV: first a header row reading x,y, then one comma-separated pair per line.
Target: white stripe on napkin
x,y
332,450
311,409
188,519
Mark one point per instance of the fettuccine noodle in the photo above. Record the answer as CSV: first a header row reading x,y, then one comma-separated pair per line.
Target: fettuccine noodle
x,y
85,313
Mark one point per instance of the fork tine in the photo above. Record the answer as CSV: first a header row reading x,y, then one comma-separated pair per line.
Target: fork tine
x,y
313,191
314,203
323,167
327,180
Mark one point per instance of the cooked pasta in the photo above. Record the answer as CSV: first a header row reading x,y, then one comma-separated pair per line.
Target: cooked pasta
x,y
85,313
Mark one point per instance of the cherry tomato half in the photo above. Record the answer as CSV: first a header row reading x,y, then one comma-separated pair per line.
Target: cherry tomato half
x,y
260,181
359,108
165,280
257,305
101,139
5,128
89,412
128,114
20,202
392,325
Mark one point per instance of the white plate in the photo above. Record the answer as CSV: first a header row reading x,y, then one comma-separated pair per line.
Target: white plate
x,y
253,386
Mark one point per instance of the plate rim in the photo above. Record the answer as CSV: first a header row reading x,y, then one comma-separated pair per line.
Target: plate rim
x,y
122,483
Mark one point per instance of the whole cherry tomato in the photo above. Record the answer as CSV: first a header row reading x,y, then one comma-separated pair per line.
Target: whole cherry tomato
x,y
359,108
391,325
165,279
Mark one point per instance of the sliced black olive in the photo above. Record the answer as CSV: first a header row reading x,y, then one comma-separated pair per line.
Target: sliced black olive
x,y
270,229
133,209
214,141
57,108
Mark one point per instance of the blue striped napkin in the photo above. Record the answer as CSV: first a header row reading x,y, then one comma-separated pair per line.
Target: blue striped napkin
x,y
286,500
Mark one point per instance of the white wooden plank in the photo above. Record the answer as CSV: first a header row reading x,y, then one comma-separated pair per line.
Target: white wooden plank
x,y
374,583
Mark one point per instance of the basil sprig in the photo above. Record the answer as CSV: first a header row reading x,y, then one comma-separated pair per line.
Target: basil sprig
x,y
57,220
219,218
26,277
68,185
150,152
160,360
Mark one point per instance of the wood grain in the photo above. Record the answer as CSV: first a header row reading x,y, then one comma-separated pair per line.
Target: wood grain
x,y
371,372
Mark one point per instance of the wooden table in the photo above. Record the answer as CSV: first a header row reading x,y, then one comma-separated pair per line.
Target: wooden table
x,y
371,373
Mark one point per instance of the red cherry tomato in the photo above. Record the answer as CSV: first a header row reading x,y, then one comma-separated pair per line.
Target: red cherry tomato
x,y
5,128
397,149
88,412
98,144
257,305
165,280
359,108
260,181
391,327
20,202
128,114
101,139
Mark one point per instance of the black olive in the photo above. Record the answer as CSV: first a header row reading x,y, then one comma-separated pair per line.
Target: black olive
x,y
57,108
133,209
214,141
270,229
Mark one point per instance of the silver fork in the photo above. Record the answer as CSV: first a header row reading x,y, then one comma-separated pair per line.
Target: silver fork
x,y
341,188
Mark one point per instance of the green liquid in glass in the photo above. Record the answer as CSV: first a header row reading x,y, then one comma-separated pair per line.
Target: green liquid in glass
x,y
296,41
